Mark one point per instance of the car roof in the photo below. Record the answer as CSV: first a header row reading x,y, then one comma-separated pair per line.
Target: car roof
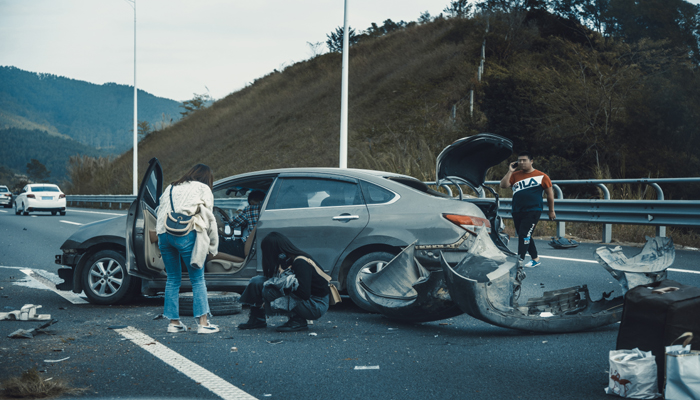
x,y
352,172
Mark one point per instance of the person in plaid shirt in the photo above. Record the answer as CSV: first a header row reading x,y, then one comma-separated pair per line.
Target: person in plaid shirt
x,y
248,217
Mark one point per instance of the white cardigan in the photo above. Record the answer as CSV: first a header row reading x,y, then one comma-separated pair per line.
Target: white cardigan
x,y
193,198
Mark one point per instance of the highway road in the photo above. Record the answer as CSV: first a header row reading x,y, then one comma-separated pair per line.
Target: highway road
x,y
124,351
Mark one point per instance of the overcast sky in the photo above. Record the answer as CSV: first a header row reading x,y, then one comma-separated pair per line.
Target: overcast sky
x,y
183,47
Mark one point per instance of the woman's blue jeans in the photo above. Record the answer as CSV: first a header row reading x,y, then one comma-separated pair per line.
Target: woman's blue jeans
x,y
172,249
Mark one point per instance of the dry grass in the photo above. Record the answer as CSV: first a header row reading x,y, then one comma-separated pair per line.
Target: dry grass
x,y
32,386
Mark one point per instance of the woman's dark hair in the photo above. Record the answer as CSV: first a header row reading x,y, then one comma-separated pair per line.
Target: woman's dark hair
x,y
278,250
198,173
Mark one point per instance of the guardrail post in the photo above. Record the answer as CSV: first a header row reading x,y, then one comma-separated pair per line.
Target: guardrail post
x,y
607,228
561,225
660,230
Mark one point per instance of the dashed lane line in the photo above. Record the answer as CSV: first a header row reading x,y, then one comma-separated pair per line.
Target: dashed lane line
x,y
68,295
70,222
687,271
215,384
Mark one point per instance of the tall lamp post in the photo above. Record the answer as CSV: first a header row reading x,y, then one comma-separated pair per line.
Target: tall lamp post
x,y
344,96
135,189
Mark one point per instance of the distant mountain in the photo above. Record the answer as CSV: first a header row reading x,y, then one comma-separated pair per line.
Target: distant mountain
x,y
98,116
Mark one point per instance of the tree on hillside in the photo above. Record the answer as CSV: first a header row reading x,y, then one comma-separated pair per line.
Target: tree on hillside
x,y
144,128
424,17
459,9
591,13
335,39
198,102
37,172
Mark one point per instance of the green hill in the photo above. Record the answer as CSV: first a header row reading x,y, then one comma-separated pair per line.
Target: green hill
x,y
99,116
19,146
587,104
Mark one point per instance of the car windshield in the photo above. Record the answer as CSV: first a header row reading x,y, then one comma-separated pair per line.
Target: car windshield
x,y
45,189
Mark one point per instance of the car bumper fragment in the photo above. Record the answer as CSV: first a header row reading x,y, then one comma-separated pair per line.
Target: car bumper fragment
x,y
486,283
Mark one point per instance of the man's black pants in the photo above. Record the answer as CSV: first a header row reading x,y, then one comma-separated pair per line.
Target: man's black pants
x,y
525,223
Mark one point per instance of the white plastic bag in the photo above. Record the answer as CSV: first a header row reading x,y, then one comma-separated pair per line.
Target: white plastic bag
x,y
682,371
633,374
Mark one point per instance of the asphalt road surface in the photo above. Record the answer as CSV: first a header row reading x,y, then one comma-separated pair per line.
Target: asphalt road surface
x,y
124,351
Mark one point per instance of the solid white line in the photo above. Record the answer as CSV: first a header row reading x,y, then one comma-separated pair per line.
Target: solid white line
x,y
570,259
687,271
218,386
70,222
3,211
93,212
683,270
68,295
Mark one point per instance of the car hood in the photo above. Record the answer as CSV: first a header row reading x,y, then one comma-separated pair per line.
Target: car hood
x,y
109,230
469,158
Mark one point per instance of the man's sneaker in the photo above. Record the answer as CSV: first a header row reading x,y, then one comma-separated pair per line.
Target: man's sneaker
x,y
532,264
294,324
172,328
208,328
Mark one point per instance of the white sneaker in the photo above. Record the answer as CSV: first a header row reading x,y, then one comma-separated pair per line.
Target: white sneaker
x,y
208,328
172,328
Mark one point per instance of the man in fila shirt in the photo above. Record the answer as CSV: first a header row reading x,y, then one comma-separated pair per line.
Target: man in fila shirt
x,y
528,185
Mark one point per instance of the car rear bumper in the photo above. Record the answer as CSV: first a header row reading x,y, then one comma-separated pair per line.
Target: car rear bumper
x,y
46,205
5,200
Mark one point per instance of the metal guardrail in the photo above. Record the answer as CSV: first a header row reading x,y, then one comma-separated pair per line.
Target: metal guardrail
x,y
659,213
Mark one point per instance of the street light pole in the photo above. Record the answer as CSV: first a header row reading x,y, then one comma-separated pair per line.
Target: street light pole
x,y
135,189
344,96
136,148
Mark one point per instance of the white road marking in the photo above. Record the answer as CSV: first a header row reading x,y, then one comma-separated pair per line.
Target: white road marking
x,y
70,222
687,271
3,211
218,386
68,295
93,212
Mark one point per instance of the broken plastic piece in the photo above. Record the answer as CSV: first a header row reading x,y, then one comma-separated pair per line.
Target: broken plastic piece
x,y
26,313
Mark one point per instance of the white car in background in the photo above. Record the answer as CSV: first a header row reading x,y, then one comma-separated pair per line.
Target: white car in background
x,y
5,196
40,197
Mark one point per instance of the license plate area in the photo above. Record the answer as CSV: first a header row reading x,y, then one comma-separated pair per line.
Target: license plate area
x,y
47,197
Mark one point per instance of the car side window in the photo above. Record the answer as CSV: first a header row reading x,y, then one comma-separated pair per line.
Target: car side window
x,y
151,191
313,192
376,194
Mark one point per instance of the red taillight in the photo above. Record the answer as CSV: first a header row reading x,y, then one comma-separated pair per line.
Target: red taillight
x,y
31,196
8,195
468,222
61,196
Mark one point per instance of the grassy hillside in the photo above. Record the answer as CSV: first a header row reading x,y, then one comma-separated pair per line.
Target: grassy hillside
x,y
588,106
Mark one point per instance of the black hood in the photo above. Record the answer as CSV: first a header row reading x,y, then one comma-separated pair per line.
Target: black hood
x,y
469,158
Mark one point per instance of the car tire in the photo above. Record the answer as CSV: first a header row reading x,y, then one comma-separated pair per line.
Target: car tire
x,y
220,303
106,281
368,264
17,211
62,212
53,212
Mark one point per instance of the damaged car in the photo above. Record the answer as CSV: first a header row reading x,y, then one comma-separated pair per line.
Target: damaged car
x,y
483,279
353,222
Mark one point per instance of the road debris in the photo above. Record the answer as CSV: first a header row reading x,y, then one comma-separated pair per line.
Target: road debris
x,y
313,334
26,313
30,333
276,341
56,361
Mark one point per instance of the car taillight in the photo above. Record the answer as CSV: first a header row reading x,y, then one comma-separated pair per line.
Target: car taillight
x,y
8,195
61,196
31,196
468,222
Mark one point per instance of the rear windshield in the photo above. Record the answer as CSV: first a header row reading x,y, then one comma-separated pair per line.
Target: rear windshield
x,y
45,189
3,189
417,185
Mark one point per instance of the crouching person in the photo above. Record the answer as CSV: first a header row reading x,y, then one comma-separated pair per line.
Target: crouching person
x,y
290,282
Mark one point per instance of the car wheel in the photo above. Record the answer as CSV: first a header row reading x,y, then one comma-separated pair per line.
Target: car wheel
x,y
53,212
17,211
220,303
62,212
366,265
24,209
105,280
